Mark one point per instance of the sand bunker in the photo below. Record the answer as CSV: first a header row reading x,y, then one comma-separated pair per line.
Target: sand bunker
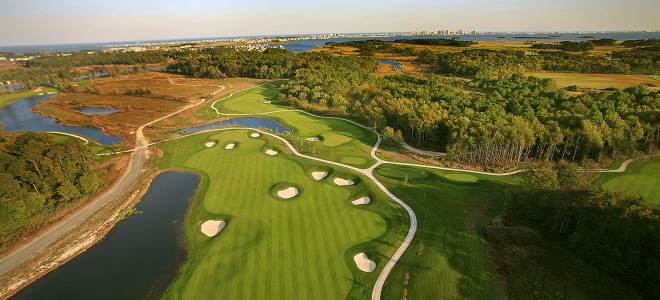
x,y
288,193
361,201
211,228
313,139
319,175
363,263
271,152
267,102
342,181
209,144
230,146
255,135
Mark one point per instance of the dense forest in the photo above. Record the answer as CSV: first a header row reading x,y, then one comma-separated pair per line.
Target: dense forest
x,y
617,233
38,177
495,117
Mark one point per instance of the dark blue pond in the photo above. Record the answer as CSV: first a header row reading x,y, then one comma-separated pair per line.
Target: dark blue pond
x,y
137,259
392,63
271,124
96,110
19,116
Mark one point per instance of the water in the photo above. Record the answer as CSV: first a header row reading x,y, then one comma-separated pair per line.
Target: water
x,y
392,63
19,116
305,45
137,259
271,124
96,110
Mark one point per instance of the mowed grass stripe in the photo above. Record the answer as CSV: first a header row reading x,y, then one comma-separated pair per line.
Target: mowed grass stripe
x,y
272,248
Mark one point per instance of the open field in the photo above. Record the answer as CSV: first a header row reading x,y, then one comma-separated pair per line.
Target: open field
x,y
8,98
339,140
598,81
159,83
272,248
446,259
640,178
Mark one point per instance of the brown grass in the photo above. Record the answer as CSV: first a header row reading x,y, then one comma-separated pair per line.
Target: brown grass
x,y
169,93
6,65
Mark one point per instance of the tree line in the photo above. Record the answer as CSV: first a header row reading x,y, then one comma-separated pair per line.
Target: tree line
x,y
38,177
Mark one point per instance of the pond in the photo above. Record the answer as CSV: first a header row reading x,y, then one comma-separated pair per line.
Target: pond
x,y
271,124
137,259
19,116
391,62
96,110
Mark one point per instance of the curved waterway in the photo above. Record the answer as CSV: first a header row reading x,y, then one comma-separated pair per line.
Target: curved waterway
x,y
137,259
270,124
19,116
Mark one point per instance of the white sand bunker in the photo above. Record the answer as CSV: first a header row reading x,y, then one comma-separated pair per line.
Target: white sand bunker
x,y
255,135
361,201
271,152
210,144
230,146
313,139
319,175
342,181
363,263
268,102
288,193
211,228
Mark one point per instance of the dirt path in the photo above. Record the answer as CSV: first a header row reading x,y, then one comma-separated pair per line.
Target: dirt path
x,y
420,151
84,139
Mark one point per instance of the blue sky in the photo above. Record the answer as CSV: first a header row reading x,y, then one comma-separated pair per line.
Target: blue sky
x,y
26,22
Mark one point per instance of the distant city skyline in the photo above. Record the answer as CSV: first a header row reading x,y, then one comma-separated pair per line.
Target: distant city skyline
x,y
41,22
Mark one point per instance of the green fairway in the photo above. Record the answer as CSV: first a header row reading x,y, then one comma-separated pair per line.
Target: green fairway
x,y
299,248
339,140
255,100
640,178
8,98
446,259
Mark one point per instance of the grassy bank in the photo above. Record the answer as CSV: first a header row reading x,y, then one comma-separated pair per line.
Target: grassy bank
x,y
8,98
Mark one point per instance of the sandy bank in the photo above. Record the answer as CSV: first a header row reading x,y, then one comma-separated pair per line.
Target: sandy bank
x,y
211,228
361,201
319,175
364,263
288,193
342,181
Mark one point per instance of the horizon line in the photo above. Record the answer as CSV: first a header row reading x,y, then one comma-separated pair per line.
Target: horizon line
x,y
325,33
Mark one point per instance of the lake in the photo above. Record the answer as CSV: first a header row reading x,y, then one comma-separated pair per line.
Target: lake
x,y
19,116
270,124
96,110
137,259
